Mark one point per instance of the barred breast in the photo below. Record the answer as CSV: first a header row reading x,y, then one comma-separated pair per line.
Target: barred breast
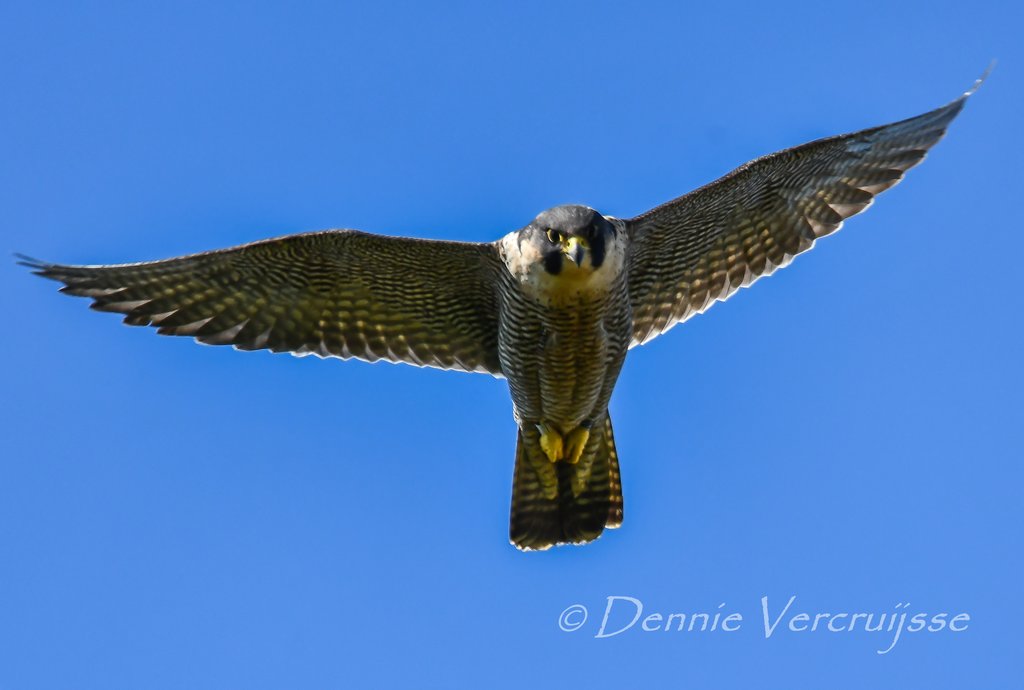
x,y
562,356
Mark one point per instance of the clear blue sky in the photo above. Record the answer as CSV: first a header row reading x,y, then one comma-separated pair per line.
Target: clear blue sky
x,y
847,431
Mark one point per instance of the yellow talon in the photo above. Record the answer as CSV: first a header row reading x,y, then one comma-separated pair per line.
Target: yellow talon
x,y
575,443
551,442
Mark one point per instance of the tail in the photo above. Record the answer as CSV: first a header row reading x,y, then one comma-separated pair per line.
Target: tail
x,y
559,503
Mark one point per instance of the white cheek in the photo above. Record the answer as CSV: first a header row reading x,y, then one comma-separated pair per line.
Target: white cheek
x,y
519,257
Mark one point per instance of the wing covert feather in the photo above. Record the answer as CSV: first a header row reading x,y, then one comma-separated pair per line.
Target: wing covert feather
x,y
700,248
336,293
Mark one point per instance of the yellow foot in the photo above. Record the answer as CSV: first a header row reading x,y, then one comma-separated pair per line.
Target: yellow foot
x,y
551,442
575,442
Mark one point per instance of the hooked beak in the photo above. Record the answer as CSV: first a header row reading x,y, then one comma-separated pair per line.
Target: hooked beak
x,y
574,248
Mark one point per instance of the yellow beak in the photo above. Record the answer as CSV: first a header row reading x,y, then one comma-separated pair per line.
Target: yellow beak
x,y
574,248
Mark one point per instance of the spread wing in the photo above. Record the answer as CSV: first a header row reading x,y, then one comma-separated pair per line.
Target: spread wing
x,y
702,247
339,293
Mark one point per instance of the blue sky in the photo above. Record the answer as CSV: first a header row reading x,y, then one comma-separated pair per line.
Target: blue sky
x,y
847,432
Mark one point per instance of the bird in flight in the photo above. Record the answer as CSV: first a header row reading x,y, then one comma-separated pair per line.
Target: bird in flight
x,y
552,307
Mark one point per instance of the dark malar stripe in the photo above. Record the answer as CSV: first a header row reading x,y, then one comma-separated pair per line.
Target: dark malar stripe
x,y
597,250
553,263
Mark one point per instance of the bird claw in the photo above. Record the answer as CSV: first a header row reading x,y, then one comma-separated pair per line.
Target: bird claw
x,y
575,443
568,448
551,442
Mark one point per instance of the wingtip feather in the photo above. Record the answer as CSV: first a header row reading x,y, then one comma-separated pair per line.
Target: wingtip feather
x,y
980,80
29,261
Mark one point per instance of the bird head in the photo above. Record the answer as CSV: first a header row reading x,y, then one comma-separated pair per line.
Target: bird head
x,y
570,241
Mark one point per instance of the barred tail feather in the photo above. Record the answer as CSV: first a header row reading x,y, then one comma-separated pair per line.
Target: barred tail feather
x,y
561,503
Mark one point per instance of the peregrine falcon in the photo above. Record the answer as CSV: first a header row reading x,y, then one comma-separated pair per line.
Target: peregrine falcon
x,y
552,307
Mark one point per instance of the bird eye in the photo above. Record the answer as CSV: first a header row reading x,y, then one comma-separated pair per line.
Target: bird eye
x,y
553,236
